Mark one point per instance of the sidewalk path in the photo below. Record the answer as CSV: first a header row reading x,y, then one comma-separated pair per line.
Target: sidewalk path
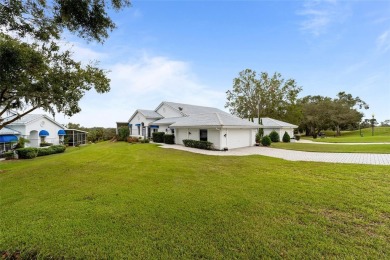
x,y
355,158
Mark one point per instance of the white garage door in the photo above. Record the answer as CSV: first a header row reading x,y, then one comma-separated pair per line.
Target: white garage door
x,y
239,138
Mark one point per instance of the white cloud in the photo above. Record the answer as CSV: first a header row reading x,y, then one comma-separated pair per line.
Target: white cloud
x,y
81,52
383,41
144,83
320,15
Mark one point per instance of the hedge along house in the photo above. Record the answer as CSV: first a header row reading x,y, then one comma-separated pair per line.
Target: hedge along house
x,y
194,122
270,124
37,128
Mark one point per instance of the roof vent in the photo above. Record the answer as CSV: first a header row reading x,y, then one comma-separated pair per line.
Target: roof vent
x,y
180,108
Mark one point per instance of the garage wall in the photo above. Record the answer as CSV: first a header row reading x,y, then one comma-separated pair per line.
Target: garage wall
x,y
237,138
213,136
194,134
181,134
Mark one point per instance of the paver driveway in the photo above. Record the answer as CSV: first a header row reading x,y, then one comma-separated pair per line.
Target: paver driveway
x,y
356,158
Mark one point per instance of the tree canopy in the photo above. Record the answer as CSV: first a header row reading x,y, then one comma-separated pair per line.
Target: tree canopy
x,y
264,94
45,20
321,113
40,74
33,77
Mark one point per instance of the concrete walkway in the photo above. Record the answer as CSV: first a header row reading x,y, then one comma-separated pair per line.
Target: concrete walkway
x,y
355,158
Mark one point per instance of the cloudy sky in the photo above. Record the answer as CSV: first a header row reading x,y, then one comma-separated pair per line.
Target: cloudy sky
x,y
190,51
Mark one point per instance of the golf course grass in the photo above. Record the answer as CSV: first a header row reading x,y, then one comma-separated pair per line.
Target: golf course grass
x,y
117,200
334,148
381,135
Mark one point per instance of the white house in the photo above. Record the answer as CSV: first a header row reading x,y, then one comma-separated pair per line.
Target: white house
x,y
270,124
194,122
37,128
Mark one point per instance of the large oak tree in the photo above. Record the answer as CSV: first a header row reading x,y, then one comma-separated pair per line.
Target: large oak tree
x,y
262,94
322,113
34,71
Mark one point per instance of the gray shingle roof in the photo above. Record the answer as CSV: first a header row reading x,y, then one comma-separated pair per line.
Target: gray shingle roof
x,y
217,119
26,119
167,120
32,117
268,122
149,113
8,131
188,110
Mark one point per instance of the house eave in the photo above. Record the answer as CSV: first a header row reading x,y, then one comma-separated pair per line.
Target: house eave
x,y
215,126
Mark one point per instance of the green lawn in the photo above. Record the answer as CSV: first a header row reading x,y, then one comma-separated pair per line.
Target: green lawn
x,y
381,134
334,148
116,200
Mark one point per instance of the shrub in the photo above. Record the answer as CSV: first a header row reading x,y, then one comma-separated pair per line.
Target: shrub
x,y
286,138
132,139
297,137
258,138
274,136
9,155
315,136
27,153
144,141
169,139
51,150
58,148
21,142
44,144
198,144
44,151
158,137
123,133
266,141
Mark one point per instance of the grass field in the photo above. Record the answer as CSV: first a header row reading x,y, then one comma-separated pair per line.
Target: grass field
x,y
381,134
116,200
334,148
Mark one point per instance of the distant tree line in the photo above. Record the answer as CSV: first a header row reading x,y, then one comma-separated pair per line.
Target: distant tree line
x,y
262,95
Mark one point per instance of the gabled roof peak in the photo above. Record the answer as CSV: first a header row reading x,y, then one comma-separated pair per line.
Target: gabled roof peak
x,y
188,109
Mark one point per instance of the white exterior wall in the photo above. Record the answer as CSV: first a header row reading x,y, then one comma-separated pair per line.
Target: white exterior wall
x,y
165,129
180,135
167,112
214,136
194,133
45,124
139,119
31,131
235,138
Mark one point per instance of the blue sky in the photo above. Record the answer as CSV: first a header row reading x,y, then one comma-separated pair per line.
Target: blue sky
x,y
190,51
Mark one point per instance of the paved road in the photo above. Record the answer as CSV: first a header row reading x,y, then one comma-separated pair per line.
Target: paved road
x,y
356,158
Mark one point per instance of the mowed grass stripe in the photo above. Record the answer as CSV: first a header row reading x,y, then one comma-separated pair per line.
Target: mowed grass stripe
x,y
334,148
115,200
381,135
